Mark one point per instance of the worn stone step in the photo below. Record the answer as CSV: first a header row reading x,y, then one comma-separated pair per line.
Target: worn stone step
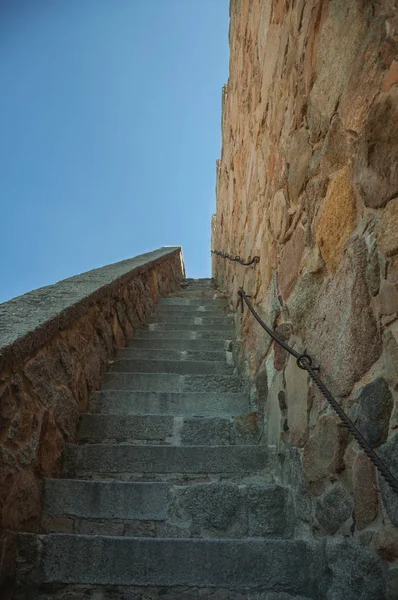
x,y
167,429
279,565
190,319
209,311
96,459
187,334
194,367
52,591
124,402
184,344
166,510
169,354
196,327
181,301
171,382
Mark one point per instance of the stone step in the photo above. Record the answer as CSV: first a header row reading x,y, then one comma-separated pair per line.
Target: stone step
x,y
279,565
189,310
163,326
184,344
185,367
90,460
122,402
168,354
177,318
166,510
187,334
171,382
181,301
168,429
53,591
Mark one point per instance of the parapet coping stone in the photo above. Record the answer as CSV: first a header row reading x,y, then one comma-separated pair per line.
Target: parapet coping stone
x,y
29,321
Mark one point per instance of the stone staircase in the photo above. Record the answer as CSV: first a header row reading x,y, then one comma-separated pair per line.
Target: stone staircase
x,y
167,494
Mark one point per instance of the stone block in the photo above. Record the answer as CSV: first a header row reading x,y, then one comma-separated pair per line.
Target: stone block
x,y
334,508
386,229
274,412
389,453
249,428
289,267
22,508
375,169
140,529
66,412
211,506
387,543
284,331
366,495
106,500
38,372
199,431
269,513
374,411
279,217
297,402
334,61
392,583
388,297
125,402
324,451
277,564
298,157
342,324
125,458
355,573
336,219
100,428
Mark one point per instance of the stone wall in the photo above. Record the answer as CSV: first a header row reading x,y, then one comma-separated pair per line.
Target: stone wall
x,y
55,344
308,180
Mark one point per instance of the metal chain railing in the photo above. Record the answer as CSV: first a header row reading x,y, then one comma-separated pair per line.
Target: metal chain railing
x,y
254,260
304,361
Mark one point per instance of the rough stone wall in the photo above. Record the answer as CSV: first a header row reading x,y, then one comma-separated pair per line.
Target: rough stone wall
x,y
55,344
308,180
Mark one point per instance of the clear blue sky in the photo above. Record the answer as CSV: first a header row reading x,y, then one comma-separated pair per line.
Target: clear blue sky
x,y
110,117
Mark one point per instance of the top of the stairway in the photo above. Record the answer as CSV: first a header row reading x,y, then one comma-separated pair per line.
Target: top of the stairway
x,y
196,289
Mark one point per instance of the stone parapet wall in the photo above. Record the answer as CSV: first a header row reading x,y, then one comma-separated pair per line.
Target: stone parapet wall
x,y
308,180
55,344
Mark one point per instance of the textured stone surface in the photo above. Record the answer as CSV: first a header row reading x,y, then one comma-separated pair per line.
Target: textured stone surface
x,y
375,171
125,458
346,23
272,563
366,496
55,343
307,180
374,412
336,219
386,229
356,573
297,402
269,512
342,333
84,592
334,508
106,500
210,506
202,432
290,262
33,319
125,402
389,452
323,453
